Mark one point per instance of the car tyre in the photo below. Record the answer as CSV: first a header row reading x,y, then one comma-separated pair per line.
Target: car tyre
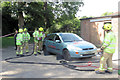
x,y
45,51
66,55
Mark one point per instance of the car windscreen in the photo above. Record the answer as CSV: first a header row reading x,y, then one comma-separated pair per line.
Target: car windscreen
x,y
70,37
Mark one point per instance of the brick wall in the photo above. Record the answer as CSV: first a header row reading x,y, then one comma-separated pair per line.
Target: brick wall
x,y
92,32
85,30
115,30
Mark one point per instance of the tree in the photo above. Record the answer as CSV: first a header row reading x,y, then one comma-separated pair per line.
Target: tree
x,y
35,14
42,14
107,13
65,16
9,23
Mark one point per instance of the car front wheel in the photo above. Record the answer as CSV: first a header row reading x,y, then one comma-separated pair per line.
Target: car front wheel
x,y
66,55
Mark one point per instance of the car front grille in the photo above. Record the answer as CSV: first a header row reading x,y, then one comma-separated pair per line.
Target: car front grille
x,y
88,54
87,48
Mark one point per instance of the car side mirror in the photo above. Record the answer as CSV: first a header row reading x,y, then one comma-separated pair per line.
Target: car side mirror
x,y
57,41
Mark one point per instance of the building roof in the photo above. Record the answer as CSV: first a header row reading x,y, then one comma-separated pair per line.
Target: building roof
x,y
117,14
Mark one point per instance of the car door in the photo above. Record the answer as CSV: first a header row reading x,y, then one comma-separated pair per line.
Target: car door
x,y
58,44
50,42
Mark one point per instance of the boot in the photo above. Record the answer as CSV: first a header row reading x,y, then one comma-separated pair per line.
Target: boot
x,y
98,72
108,72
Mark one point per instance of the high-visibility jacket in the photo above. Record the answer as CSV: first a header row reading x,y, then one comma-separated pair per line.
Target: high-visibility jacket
x,y
109,42
35,33
43,36
19,39
37,36
26,37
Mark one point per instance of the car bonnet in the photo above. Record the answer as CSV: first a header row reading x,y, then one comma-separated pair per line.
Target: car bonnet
x,y
80,44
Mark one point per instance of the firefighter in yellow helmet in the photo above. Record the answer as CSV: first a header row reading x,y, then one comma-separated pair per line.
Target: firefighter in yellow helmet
x,y
108,48
26,38
19,43
43,36
37,40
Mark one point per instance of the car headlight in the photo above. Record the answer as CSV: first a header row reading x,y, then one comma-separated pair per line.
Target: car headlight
x,y
74,48
94,47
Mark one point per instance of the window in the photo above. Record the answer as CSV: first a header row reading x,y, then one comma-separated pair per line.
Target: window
x,y
51,37
70,37
57,37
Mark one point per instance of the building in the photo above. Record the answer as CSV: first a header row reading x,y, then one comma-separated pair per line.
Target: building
x,y
91,28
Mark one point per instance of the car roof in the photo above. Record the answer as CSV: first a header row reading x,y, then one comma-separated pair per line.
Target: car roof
x,y
61,33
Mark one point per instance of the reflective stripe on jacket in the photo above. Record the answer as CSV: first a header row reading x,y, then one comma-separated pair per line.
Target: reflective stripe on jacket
x,y
37,35
109,42
19,39
43,37
26,36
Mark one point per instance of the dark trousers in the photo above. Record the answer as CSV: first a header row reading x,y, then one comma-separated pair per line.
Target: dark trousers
x,y
15,44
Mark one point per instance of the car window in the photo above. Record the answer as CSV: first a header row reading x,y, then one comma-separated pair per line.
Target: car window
x,y
57,37
70,37
51,37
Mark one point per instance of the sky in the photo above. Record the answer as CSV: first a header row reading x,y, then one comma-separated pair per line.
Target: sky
x,y
97,7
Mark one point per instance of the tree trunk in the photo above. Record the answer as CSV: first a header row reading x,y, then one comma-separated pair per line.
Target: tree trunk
x,y
20,16
45,15
20,20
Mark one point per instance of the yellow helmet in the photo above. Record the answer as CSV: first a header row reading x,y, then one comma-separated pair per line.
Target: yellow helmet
x,y
20,30
40,29
107,27
25,29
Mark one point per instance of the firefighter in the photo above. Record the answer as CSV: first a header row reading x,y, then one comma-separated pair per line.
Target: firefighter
x,y
37,40
40,39
15,35
26,38
19,43
108,48
43,36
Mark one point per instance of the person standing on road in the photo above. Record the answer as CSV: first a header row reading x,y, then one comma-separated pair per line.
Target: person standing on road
x,y
19,43
26,38
108,48
40,38
15,35
37,40
43,36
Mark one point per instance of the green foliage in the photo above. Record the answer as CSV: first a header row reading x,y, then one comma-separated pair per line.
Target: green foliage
x,y
86,17
107,13
9,23
36,15
72,26
7,41
65,17
52,16
6,8
118,72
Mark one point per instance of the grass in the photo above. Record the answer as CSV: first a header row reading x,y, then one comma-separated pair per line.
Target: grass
x,y
119,72
9,41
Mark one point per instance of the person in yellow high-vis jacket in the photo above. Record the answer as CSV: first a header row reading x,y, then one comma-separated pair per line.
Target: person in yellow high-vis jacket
x,y
26,38
108,48
37,40
19,43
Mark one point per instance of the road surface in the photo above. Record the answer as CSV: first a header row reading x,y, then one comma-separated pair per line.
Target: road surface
x,y
46,67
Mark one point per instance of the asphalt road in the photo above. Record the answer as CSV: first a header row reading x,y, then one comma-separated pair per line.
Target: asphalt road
x,y
46,67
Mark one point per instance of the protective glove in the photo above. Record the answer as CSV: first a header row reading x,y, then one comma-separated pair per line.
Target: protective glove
x,y
100,52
